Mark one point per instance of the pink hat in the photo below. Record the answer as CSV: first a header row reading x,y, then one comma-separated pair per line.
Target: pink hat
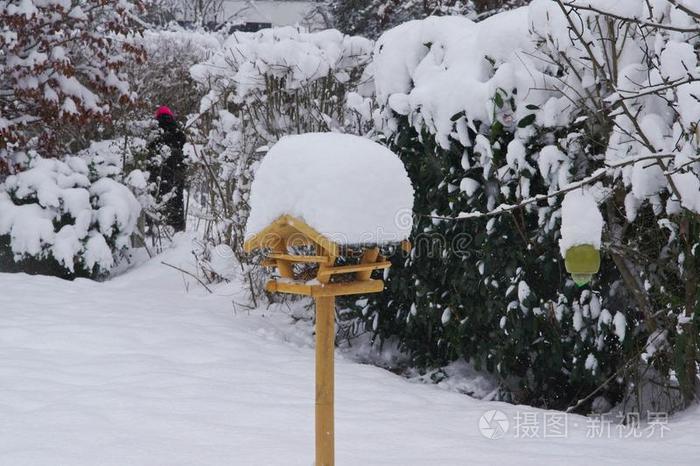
x,y
164,110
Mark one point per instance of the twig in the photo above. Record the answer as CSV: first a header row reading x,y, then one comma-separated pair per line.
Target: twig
x,y
190,274
623,94
684,9
638,21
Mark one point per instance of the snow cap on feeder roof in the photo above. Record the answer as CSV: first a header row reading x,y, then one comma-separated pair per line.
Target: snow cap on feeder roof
x,y
349,189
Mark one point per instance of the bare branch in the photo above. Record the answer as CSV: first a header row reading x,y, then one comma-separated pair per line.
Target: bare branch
x,y
638,21
190,274
654,89
684,9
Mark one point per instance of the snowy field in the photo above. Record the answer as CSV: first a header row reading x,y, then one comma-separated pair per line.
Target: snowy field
x,y
149,369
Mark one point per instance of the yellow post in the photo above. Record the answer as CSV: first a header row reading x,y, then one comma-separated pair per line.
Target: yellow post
x,y
277,238
325,349
368,257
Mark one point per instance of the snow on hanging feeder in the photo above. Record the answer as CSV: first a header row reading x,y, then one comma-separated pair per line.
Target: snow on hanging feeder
x,y
581,229
321,207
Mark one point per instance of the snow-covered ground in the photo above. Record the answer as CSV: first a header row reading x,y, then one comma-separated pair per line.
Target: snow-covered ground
x,y
149,369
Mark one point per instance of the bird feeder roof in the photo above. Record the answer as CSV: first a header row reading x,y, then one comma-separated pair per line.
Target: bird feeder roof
x,y
291,232
346,189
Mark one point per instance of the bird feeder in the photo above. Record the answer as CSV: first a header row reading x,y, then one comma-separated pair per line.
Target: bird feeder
x,y
313,270
582,262
322,205
581,230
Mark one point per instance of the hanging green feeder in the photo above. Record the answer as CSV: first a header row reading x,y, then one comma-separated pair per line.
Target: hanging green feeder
x,y
582,262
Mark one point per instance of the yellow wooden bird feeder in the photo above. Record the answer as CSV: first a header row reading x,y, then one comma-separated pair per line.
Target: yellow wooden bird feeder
x,y
306,263
321,205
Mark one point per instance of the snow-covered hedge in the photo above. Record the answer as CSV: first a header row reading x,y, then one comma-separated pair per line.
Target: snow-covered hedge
x,y
497,121
242,70
57,217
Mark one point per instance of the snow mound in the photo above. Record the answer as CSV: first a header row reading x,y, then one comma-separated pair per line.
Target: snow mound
x,y
350,189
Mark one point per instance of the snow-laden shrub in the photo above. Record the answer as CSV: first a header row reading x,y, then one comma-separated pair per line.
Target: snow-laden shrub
x,y
58,218
62,66
497,121
260,87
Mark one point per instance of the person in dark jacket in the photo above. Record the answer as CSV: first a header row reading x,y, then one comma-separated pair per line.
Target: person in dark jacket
x,y
167,167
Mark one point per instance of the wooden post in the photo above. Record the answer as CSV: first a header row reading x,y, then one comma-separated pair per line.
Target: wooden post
x,y
277,238
368,257
325,349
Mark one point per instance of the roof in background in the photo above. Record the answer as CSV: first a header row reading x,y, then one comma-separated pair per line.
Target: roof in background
x,y
274,12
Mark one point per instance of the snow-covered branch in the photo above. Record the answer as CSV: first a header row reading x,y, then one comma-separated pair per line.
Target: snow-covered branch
x,y
635,20
507,208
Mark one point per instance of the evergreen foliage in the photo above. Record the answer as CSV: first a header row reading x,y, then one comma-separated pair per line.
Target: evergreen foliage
x,y
370,18
490,291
